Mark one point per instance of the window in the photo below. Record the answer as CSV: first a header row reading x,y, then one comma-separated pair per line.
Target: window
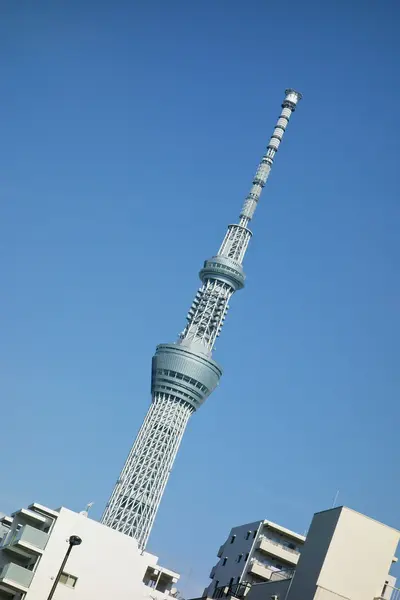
x,y
69,580
231,582
233,539
254,534
246,557
239,558
238,580
216,584
280,567
224,561
248,534
291,546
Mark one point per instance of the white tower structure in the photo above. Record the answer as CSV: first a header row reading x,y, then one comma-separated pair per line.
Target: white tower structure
x,y
183,373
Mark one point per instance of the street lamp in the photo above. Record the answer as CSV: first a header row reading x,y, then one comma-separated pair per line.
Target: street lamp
x,y
74,540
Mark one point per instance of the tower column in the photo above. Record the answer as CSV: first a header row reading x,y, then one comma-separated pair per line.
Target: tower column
x,y
184,373
134,502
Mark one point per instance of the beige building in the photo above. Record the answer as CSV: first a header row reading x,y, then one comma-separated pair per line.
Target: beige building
x,y
346,556
106,565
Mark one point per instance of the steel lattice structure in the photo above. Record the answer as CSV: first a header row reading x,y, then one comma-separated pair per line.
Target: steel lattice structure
x,y
183,373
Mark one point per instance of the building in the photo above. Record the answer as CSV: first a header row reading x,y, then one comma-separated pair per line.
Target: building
x,y
5,523
184,373
346,556
254,553
108,564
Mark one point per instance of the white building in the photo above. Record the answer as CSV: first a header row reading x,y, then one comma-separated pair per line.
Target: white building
x,y
254,553
346,556
106,565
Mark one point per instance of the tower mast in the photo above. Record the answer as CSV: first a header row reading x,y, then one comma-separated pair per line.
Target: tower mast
x,y
184,373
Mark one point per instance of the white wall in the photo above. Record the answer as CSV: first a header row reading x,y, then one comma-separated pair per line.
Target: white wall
x,y
107,564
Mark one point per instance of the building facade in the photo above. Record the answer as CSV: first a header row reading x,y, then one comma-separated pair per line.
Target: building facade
x,y
254,553
108,564
346,556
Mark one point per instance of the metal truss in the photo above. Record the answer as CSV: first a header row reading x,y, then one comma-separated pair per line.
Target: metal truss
x,y
138,491
185,370
207,313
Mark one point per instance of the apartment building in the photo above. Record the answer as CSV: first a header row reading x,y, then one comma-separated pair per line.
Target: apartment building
x,y
107,564
254,553
346,556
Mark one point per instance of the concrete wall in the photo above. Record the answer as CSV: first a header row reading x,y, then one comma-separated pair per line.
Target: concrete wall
x,y
313,555
359,558
346,556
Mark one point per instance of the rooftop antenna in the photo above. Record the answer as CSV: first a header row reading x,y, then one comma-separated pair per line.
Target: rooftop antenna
x,y
335,499
85,513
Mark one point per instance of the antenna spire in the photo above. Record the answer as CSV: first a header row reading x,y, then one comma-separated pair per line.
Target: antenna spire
x,y
183,373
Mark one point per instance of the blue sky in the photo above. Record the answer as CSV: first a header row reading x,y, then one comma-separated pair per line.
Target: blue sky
x,y
130,134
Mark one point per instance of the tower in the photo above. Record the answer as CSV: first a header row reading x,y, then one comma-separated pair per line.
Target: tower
x,y
184,373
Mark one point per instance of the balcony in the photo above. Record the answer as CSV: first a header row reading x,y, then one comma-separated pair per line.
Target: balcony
x,y
276,549
268,573
220,551
260,570
212,572
160,579
239,590
15,578
26,542
282,575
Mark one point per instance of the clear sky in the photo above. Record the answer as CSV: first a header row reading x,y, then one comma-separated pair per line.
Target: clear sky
x,y
130,132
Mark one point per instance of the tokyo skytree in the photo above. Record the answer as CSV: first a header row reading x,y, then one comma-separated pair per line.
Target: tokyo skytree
x,y
183,372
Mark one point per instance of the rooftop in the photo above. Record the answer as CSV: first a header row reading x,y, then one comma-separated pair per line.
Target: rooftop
x,y
288,532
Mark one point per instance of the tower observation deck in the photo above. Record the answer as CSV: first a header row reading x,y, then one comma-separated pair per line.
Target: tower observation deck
x,y
184,373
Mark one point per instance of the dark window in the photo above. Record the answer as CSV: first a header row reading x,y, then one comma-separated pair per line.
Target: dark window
x,y
216,584
231,582
279,567
238,579
247,556
291,546
68,580
233,539
239,558
254,534
248,535
224,561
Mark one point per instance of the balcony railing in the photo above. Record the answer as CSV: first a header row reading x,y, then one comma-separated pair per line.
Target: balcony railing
x,y
26,535
238,590
283,574
261,569
272,541
16,577
389,592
